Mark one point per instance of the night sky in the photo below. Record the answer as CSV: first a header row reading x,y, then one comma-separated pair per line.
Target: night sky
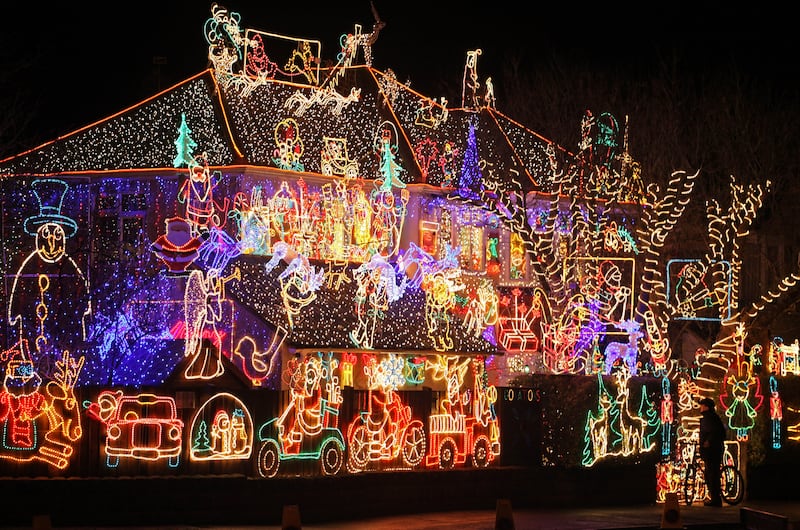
x,y
75,63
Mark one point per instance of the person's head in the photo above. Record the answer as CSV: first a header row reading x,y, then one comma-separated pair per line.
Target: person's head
x,y
706,404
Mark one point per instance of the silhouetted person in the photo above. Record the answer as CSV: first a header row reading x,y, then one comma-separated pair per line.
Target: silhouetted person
x,y
712,445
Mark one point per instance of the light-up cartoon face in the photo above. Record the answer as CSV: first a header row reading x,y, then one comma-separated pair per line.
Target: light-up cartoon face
x,y
313,371
50,241
21,378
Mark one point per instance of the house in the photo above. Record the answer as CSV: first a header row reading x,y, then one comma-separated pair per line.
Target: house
x,y
326,234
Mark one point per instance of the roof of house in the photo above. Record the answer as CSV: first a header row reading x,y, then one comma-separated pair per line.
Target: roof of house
x,y
249,123
236,124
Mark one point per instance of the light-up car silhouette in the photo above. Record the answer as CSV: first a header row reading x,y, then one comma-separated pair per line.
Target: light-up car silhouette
x,y
144,426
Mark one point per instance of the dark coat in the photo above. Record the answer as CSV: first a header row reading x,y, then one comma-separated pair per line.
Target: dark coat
x,y
712,435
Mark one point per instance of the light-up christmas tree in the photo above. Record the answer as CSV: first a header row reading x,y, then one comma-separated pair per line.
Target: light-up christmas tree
x,y
471,179
184,145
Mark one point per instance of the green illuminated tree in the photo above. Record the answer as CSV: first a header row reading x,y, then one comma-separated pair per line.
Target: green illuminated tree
x,y
184,145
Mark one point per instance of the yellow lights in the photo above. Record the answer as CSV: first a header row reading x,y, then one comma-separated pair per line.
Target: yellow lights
x,y
613,429
338,222
36,425
741,396
441,287
221,429
552,262
470,239
334,159
308,426
482,310
464,427
289,146
431,113
376,289
139,426
517,258
428,237
783,358
386,431
205,305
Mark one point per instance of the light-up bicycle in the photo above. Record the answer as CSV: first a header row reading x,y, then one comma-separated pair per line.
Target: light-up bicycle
x,y
694,484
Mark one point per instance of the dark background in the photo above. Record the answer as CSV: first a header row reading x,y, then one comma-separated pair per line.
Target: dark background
x,y
69,64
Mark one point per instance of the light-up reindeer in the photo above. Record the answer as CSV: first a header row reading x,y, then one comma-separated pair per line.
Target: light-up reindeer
x,y
63,413
599,427
386,431
628,353
26,410
632,429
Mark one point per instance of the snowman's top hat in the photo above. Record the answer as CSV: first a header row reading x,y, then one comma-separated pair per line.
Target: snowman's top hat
x,y
50,195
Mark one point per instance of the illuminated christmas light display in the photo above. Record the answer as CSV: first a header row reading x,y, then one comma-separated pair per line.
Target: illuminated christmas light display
x,y
49,301
39,426
141,427
221,429
293,229
308,427
775,412
463,428
613,430
667,417
387,430
376,289
783,358
742,396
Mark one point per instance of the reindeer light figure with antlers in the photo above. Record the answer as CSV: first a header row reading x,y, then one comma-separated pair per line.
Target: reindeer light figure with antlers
x,y
26,410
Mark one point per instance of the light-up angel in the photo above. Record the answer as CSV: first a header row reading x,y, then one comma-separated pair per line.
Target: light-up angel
x,y
742,395
204,311
742,399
